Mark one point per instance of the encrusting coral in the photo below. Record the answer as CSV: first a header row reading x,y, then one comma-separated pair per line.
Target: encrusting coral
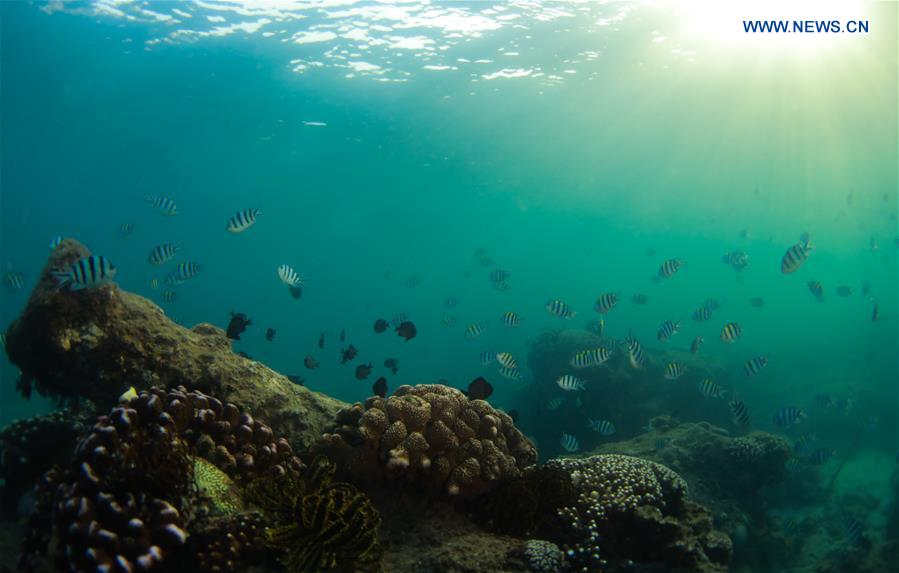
x,y
165,482
430,434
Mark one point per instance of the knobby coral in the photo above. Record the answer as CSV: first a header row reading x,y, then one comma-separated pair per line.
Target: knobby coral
x,y
161,484
432,435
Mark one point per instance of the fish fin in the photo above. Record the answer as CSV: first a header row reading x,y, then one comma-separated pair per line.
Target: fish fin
x,y
63,279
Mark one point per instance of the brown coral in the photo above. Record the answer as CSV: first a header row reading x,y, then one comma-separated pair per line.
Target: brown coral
x,y
129,499
430,434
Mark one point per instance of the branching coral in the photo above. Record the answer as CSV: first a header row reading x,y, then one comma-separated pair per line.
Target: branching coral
x,y
432,435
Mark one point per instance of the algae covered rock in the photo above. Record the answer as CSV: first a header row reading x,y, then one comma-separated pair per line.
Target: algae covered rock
x,y
96,343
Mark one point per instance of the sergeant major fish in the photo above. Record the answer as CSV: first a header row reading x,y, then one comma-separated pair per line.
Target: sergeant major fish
x,y
165,205
560,309
162,254
242,220
796,255
85,273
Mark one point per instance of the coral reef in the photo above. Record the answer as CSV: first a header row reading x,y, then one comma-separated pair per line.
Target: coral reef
x,y
726,473
432,435
96,343
163,483
30,447
615,390
632,514
543,556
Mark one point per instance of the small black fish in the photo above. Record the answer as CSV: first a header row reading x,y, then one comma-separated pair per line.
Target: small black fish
x,y
245,355
479,389
296,291
348,354
238,324
363,371
393,364
310,362
380,325
270,334
321,340
343,335
756,302
407,330
379,388
296,379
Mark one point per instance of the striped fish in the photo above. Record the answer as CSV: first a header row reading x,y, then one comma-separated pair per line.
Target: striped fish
x,y
803,443
474,330
674,370
506,359
169,296
485,261
569,383
739,412
289,276
412,282
487,357
510,373
14,280
88,272
702,314
796,255
854,530
55,242
162,254
817,290
821,455
590,358
634,352
710,389
448,321
868,425
793,465
450,302
731,332
788,415
604,427
606,302
154,283
165,205
668,329
182,272
511,319
560,309
639,299
670,267
569,443
554,403
498,275
501,286
398,319
696,344
126,229
754,365
242,220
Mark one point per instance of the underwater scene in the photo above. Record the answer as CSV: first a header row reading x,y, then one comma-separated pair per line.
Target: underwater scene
x,y
449,287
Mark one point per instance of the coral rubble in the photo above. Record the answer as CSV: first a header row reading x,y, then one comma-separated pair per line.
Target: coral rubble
x,y
95,343
430,434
